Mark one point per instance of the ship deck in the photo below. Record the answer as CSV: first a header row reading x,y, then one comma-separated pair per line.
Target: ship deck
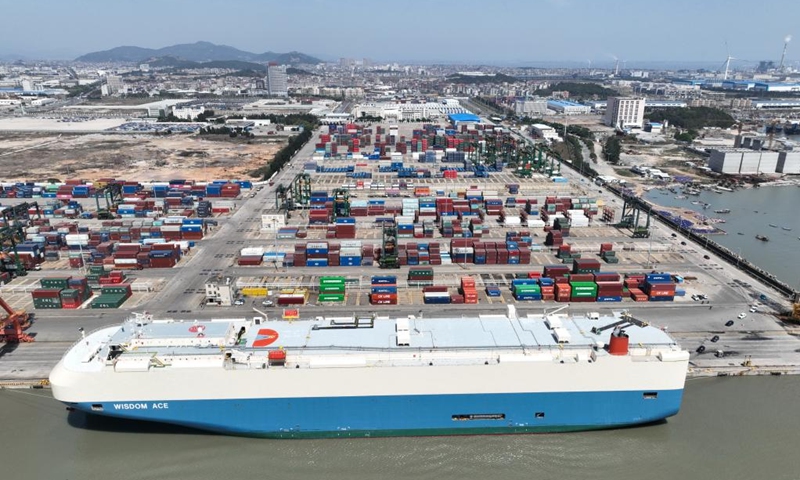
x,y
384,334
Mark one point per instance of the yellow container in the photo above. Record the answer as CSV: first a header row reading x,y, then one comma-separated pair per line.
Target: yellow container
x,y
254,291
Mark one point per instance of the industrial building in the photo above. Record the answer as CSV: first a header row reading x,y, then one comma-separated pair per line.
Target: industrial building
x,y
530,106
546,132
188,112
744,161
276,83
777,87
625,112
220,292
458,119
568,108
665,104
776,104
409,111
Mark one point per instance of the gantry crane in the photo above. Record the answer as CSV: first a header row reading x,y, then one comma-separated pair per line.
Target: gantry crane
x,y
13,324
389,255
112,193
12,232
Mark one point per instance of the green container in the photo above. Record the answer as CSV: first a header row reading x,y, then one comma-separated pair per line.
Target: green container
x,y
108,301
583,295
331,297
421,272
331,280
527,288
55,282
332,289
96,270
44,303
113,290
70,293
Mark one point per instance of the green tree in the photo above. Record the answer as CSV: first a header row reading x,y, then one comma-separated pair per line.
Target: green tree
x,y
612,150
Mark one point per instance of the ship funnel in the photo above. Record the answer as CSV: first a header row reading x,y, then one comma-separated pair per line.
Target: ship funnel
x,y
618,344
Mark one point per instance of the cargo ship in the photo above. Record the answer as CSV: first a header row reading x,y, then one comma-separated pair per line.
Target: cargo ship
x,y
378,376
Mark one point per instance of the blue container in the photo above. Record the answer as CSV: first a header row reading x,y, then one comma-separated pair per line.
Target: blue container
x,y
346,221
609,299
317,262
661,299
350,261
658,278
546,282
437,300
384,289
384,280
525,281
192,221
527,297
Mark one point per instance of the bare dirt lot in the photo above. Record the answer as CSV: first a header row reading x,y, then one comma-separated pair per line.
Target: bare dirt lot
x,y
37,157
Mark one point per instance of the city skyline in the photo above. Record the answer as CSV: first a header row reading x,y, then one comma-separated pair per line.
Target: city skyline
x,y
510,32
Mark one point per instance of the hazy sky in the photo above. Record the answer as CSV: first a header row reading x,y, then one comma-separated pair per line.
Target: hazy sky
x,y
501,31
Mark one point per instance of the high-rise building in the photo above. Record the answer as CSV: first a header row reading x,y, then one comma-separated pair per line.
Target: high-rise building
x,y
113,85
276,82
625,112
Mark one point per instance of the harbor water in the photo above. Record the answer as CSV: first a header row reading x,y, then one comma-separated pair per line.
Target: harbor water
x,y
753,211
733,428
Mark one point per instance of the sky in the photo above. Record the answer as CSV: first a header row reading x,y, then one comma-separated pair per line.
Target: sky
x,y
510,32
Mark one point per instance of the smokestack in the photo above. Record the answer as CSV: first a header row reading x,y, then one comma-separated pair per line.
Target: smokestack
x,y
786,41
616,68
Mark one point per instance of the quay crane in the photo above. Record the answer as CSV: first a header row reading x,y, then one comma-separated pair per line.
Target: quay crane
x,y
13,324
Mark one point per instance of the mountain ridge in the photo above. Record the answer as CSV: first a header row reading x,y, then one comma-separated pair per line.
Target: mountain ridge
x,y
200,52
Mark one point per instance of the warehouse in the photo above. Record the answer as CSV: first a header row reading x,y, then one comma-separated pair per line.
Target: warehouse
x,y
458,119
777,87
568,108
546,132
743,161
788,163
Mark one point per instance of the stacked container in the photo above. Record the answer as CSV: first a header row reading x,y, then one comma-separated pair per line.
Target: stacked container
x,y
583,291
468,290
659,287
383,290
526,289
420,276
331,289
436,295
112,296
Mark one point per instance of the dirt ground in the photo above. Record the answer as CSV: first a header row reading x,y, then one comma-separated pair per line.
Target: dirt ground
x,y
37,157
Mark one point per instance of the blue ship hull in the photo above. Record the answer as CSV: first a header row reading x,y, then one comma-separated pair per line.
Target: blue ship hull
x,y
404,415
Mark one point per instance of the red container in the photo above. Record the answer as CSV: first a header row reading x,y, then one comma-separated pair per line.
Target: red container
x,y
46,293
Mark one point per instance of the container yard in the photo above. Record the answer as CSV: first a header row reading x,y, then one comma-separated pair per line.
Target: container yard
x,y
390,220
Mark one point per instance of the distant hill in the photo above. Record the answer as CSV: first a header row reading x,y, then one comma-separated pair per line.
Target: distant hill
x,y
196,52
186,64
497,78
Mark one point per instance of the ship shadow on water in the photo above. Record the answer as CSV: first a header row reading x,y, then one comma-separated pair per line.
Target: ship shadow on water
x,y
100,423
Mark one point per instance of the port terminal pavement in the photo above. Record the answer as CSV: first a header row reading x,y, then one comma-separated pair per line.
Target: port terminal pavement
x,y
756,344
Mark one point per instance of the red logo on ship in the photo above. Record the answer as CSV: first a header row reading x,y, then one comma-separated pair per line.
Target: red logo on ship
x,y
265,337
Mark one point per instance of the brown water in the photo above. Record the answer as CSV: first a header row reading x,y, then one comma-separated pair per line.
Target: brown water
x,y
731,428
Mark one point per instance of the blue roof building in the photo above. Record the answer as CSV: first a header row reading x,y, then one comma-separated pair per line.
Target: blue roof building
x,y
457,118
